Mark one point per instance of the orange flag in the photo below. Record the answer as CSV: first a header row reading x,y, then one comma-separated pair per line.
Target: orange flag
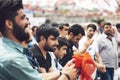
x,y
85,63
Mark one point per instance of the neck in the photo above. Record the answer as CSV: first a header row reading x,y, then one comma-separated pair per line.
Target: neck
x,y
42,50
88,37
25,44
68,37
109,37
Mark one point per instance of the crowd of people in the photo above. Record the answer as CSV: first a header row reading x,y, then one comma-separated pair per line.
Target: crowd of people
x,y
46,52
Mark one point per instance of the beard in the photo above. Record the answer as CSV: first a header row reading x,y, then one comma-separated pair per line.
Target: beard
x,y
20,33
90,36
109,33
48,48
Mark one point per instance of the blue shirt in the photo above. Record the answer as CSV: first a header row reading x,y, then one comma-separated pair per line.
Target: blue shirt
x,y
14,65
30,44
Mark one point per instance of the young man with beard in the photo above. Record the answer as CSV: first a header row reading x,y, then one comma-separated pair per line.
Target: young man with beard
x,y
92,49
14,65
75,33
107,47
47,40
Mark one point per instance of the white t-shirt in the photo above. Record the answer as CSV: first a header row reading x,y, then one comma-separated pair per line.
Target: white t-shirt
x,y
92,49
54,62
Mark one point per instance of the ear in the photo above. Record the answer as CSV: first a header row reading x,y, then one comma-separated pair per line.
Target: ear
x,y
9,24
42,38
71,34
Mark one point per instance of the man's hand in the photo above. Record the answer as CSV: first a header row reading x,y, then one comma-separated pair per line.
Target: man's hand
x,y
88,43
101,68
70,69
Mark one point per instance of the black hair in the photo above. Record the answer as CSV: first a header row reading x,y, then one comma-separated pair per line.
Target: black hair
x,y
99,21
46,32
62,42
118,25
92,26
55,24
108,23
34,28
76,29
47,21
61,26
8,10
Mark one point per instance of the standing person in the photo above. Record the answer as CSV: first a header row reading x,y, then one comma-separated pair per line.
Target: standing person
x,y
14,64
59,52
92,49
47,22
118,29
107,47
99,30
100,24
63,29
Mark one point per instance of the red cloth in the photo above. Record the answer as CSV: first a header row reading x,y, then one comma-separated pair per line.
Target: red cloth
x,y
85,63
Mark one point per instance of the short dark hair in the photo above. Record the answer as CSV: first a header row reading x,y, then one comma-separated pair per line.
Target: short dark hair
x,y
8,10
63,24
92,26
118,25
34,28
46,32
55,24
99,21
76,29
108,23
62,42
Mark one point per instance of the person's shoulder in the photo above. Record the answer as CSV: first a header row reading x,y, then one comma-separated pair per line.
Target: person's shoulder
x,y
34,48
8,58
101,37
9,54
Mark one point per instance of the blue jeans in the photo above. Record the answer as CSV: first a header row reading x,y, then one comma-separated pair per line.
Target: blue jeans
x,y
108,75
